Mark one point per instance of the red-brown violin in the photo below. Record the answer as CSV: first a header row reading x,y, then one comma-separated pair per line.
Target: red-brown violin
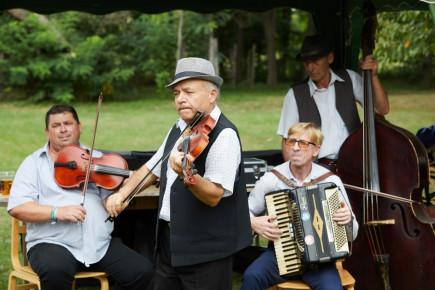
x,y
107,171
190,127
195,145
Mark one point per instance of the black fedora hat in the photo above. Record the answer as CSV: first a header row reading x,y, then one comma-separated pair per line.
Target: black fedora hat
x,y
313,47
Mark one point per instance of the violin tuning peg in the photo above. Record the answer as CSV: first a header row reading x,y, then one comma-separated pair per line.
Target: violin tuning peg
x,y
194,172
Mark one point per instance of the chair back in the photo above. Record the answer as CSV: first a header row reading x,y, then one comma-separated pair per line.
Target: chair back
x,y
18,234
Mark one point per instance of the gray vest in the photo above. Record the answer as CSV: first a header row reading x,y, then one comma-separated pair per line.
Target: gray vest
x,y
344,102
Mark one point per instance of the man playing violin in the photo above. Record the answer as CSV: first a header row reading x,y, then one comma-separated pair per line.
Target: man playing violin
x,y
302,146
202,221
63,236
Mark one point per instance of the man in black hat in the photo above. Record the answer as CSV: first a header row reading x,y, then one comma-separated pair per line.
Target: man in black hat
x,y
328,98
203,221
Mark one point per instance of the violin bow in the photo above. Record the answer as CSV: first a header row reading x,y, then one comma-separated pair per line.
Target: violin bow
x,y
198,115
88,171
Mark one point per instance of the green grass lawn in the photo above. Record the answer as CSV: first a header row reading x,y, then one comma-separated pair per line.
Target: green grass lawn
x,y
142,125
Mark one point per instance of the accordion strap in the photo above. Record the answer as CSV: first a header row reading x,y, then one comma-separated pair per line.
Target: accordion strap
x,y
288,182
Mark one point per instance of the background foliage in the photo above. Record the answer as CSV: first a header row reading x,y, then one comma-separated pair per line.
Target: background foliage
x,y
405,46
73,55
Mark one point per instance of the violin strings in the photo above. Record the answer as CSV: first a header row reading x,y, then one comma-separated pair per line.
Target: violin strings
x,y
101,168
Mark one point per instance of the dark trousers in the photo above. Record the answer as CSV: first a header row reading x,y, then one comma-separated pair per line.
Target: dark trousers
x,y
215,275
56,266
263,273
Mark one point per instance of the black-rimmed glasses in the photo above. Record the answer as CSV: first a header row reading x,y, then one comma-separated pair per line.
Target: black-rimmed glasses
x,y
301,143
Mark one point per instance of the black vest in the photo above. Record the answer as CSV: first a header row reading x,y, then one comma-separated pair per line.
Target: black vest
x,y
344,102
200,233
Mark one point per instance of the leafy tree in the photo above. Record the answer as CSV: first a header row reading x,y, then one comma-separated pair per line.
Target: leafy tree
x,y
405,46
74,55
34,59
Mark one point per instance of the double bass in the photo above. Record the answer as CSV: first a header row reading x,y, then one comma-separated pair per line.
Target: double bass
x,y
394,248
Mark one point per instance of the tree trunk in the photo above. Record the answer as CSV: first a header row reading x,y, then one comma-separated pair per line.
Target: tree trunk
x,y
427,70
239,53
269,33
213,48
181,47
284,66
233,57
251,65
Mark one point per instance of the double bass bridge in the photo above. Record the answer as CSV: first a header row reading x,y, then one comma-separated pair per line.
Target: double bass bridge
x,y
381,223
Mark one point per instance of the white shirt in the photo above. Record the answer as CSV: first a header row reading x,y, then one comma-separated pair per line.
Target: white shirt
x,y
217,169
269,182
333,127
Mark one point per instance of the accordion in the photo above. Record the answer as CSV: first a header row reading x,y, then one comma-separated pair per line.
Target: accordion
x,y
309,235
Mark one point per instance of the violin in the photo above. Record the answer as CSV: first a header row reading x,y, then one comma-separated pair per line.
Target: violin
x,y
195,145
107,171
193,126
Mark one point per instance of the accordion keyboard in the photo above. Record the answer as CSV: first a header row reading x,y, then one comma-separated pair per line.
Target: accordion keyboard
x,y
287,247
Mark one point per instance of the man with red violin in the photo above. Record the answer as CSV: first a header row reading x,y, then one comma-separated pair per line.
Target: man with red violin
x,y
203,211
65,234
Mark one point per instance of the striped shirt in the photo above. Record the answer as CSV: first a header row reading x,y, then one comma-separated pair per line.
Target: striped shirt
x,y
34,182
217,169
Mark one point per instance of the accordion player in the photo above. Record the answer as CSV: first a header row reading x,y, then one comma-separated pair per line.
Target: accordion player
x,y
309,235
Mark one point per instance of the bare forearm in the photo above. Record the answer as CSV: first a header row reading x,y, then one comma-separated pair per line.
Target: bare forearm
x,y
32,212
36,213
206,191
116,202
382,106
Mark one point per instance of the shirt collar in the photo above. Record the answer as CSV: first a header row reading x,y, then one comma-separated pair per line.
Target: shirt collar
x,y
310,176
334,78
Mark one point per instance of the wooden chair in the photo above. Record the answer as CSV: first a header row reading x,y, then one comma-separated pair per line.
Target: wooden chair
x,y
347,280
27,274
